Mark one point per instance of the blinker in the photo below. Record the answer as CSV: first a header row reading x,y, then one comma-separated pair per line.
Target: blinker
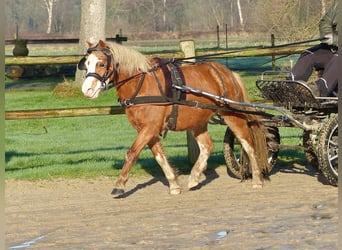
x,y
81,64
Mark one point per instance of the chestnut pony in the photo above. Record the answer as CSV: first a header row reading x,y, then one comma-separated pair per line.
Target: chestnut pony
x,y
153,106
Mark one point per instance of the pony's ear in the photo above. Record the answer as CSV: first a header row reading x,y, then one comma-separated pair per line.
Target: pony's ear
x,y
102,44
90,44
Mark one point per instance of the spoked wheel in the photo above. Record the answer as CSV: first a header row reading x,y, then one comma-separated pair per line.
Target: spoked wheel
x,y
328,150
236,158
310,145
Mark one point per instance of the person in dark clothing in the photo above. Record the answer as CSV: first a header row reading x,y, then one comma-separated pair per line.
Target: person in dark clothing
x,y
322,56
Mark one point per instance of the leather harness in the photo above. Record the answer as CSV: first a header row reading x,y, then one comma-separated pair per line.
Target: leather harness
x,y
173,76
171,96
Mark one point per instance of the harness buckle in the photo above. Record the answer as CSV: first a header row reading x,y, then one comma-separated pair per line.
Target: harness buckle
x,y
126,103
103,85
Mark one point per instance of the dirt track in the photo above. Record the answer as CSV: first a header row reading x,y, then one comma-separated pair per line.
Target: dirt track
x,y
293,211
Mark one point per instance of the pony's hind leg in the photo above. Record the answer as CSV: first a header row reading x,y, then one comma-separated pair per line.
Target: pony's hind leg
x,y
257,176
161,158
247,137
206,146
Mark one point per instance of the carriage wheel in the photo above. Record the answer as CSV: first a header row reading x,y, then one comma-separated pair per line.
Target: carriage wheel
x,y
328,150
309,142
236,158
193,149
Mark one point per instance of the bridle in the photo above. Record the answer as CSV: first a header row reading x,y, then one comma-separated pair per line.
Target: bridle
x,y
105,78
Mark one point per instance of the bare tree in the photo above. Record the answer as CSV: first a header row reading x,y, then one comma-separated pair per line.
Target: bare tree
x,y
240,14
324,7
217,12
116,16
49,7
164,13
66,17
296,19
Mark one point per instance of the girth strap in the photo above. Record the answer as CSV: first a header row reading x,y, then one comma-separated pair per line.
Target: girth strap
x,y
171,120
177,78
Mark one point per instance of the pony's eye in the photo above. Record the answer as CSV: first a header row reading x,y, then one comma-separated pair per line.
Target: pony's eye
x,y
101,65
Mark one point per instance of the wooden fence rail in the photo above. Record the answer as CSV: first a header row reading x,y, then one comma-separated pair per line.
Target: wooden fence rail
x,y
61,112
41,60
74,59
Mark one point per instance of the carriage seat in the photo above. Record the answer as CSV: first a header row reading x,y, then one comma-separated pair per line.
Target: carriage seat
x,y
291,93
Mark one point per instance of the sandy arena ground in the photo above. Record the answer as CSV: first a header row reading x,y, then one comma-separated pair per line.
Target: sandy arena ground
x,y
296,210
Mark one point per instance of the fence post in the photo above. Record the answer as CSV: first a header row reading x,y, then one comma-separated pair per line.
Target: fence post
x,y
226,36
188,48
273,56
218,36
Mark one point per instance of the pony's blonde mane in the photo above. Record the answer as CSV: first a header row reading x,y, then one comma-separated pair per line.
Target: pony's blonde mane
x,y
129,60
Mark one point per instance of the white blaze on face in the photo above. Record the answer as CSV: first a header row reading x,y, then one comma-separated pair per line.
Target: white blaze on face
x,y
91,86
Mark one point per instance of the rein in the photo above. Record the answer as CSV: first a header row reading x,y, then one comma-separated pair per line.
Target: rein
x,y
246,48
122,82
104,79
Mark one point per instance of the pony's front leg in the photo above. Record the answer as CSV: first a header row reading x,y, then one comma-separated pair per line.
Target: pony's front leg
x,y
144,136
161,158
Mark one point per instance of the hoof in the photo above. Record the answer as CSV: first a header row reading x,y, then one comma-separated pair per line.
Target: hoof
x,y
192,185
117,191
175,191
257,186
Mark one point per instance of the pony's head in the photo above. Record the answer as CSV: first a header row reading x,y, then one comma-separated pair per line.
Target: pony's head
x,y
102,64
99,66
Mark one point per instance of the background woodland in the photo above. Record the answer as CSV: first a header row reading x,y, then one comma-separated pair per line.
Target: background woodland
x,y
170,19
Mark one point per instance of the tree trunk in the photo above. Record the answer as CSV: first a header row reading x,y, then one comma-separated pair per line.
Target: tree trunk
x,y
324,8
231,15
92,28
164,16
49,7
240,14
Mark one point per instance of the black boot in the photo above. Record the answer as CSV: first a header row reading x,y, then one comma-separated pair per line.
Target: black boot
x,y
321,85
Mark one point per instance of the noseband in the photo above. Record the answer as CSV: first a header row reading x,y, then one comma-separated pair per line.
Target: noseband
x,y
108,73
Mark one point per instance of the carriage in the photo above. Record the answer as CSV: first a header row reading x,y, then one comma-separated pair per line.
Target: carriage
x,y
299,108
160,95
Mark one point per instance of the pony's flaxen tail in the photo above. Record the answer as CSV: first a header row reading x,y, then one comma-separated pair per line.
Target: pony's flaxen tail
x,y
257,130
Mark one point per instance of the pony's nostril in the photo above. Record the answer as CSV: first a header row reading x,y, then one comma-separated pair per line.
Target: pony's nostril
x,y
89,91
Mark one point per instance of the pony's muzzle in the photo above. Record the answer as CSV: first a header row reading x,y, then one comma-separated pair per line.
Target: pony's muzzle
x,y
91,87
89,92
92,93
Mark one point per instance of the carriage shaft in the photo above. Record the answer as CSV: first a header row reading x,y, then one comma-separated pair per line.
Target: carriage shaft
x,y
260,108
